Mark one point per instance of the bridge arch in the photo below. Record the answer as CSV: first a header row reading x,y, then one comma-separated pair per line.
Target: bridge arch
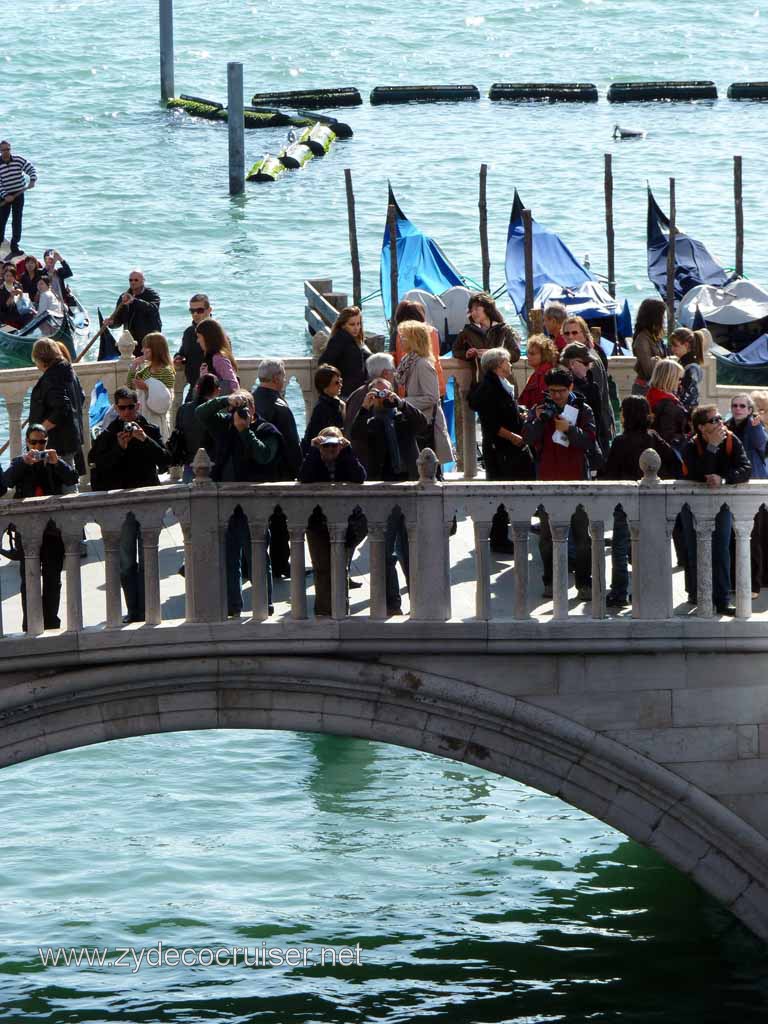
x,y
407,707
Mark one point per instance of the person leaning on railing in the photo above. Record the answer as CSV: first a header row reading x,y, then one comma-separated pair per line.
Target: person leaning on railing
x,y
37,473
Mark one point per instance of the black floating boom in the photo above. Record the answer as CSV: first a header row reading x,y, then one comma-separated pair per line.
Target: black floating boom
x,y
548,92
310,99
748,91
630,92
423,93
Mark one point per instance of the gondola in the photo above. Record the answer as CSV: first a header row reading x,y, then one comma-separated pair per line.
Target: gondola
x,y
16,346
559,277
694,264
736,317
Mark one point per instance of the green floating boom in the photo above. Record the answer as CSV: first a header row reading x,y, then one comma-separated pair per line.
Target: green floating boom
x,y
216,112
269,168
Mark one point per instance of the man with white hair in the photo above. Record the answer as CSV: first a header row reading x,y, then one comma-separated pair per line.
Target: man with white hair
x,y
272,407
380,364
138,309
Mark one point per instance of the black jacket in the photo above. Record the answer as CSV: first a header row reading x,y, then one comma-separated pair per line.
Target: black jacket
x,y
346,469
141,316
247,455
497,408
58,397
135,466
272,407
193,357
730,461
195,434
343,352
368,431
623,462
45,476
328,412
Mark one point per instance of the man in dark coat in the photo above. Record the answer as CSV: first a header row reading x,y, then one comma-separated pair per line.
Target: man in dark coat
x,y
129,453
138,310
272,407
713,456
37,473
190,356
386,428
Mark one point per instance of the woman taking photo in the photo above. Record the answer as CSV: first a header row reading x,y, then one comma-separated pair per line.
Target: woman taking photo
x,y
417,375
329,408
505,454
648,342
153,377
217,351
347,351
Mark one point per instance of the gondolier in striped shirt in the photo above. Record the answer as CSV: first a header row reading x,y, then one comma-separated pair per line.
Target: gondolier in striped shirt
x,y
16,176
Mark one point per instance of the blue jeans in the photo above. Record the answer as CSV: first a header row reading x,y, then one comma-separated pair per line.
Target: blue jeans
x,y
620,547
721,554
132,567
395,547
237,555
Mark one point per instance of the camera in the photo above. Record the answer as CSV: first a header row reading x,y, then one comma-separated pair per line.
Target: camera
x,y
549,409
242,412
129,428
380,394
38,456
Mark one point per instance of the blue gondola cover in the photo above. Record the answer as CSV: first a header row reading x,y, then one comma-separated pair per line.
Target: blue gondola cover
x,y
694,265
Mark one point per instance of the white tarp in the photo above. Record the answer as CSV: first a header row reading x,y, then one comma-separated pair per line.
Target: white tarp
x,y
739,303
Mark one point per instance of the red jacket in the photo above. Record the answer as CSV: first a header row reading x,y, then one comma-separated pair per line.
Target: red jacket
x,y
533,392
554,461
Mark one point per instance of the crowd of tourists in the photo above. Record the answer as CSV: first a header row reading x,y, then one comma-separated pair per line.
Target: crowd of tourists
x,y
374,413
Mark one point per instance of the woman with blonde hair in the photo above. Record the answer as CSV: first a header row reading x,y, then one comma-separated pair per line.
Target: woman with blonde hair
x,y
346,349
153,377
408,309
670,418
417,375
542,356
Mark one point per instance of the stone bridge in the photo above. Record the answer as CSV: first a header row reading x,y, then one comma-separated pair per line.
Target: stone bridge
x,y
654,720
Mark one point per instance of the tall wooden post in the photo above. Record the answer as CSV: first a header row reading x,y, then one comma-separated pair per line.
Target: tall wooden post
x,y
393,292
483,204
357,292
737,198
528,242
166,50
671,260
236,125
609,236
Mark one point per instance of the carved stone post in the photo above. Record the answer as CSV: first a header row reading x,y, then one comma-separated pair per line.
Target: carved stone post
x,y
704,527
338,532
743,530
520,537
150,535
298,574
483,570
378,569
559,569
112,576
71,536
597,533
651,559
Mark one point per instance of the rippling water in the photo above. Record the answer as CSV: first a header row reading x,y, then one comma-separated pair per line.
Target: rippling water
x,y
472,898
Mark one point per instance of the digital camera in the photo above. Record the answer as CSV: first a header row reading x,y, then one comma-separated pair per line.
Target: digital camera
x,y
242,412
380,394
129,428
549,409
38,456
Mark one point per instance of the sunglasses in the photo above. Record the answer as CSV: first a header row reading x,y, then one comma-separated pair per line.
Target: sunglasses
x,y
567,334
197,309
716,419
37,441
739,405
122,408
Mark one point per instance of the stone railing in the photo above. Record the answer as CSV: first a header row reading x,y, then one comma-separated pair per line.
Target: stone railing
x,y
15,386
203,510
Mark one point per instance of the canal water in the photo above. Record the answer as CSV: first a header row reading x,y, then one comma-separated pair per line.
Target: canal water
x,y
471,898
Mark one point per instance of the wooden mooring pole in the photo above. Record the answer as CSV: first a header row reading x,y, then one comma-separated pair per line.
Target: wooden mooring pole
x,y
393,293
737,199
528,242
671,260
357,292
166,50
236,126
484,251
609,236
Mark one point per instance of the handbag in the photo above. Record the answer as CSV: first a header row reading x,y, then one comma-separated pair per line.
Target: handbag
x,y
176,446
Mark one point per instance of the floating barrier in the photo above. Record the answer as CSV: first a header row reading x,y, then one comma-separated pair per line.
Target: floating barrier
x,y
548,92
253,118
310,98
314,141
423,93
269,168
295,155
748,91
320,138
340,129
629,92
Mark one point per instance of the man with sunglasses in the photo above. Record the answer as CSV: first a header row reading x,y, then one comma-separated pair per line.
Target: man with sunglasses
x,y
190,356
129,453
138,310
713,456
37,473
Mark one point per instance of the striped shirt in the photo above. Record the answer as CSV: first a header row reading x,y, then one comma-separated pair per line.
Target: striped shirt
x,y
165,374
12,174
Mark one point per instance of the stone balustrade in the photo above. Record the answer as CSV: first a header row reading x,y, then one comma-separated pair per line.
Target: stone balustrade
x,y
203,508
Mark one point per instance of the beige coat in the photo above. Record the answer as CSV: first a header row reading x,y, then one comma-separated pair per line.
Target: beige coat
x,y
422,390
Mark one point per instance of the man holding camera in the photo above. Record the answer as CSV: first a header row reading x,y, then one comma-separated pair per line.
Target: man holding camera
x,y
386,428
562,432
129,453
246,450
37,473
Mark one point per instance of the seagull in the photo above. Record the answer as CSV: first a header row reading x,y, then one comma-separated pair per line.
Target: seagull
x,y
627,133
292,137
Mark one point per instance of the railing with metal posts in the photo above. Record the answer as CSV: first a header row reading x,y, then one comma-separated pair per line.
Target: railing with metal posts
x,y
203,510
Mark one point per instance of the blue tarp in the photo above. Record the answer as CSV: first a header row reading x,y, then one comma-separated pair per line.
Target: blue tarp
x,y
100,404
755,354
591,301
694,265
421,263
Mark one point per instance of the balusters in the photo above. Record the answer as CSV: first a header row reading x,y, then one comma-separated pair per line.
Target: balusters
x,y
112,576
704,528
31,539
520,538
150,536
71,535
259,593
483,569
597,533
338,533
743,530
378,569
298,573
559,569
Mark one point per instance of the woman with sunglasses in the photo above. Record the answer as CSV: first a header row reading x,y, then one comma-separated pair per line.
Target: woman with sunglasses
x,y
746,424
